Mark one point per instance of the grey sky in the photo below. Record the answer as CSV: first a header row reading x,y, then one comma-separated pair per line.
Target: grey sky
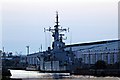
x,y
23,22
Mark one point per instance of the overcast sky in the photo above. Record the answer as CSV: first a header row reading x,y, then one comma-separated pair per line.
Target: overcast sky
x,y
23,22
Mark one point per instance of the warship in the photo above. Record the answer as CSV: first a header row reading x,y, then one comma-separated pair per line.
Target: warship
x,y
56,59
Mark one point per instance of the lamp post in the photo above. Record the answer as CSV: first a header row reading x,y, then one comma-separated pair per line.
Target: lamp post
x,y
3,49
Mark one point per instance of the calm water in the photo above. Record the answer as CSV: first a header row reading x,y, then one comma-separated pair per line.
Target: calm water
x,y
35,75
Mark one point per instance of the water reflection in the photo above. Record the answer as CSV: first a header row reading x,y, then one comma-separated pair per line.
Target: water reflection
x,y
35,75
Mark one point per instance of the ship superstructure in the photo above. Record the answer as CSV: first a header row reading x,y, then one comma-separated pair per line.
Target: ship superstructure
x,y
57,43
56,59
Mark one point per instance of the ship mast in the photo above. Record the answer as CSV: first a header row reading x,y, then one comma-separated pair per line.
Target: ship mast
x,y
57,43
56,34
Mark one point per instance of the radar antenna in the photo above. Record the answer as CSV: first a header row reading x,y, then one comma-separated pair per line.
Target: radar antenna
x,y
56,32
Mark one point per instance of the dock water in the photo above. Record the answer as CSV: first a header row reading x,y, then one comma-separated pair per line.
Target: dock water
x,y
36,75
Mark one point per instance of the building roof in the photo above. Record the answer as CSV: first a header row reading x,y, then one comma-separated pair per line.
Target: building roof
x,y
92,43
34,53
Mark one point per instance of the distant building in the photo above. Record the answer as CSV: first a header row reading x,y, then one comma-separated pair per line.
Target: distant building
x,y
33,59
13,61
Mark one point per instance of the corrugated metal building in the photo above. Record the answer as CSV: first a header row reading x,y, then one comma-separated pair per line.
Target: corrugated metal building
x,y
109,51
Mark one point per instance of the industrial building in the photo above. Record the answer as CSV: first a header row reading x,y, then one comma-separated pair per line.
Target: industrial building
x,y
88,53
